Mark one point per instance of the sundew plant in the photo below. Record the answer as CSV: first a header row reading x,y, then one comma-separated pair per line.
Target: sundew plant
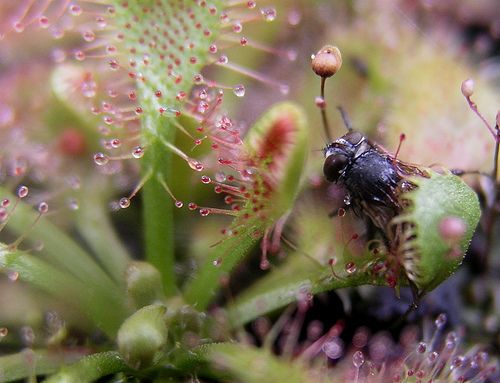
x,y
181,200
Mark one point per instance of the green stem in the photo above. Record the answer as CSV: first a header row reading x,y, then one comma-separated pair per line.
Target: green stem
x,y
158,215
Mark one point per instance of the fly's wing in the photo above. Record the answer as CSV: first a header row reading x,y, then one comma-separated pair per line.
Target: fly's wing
x,y
405,169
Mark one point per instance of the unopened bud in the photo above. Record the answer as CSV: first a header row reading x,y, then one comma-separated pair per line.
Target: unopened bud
x,y
144,285
467,87
327,61
142,337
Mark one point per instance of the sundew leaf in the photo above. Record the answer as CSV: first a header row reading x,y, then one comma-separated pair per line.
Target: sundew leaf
x,y
29,363
433,254
274,154
90,368
169,42
295,280
107,314
249,364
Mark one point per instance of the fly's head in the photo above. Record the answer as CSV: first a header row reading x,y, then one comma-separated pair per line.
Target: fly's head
x,y
340,154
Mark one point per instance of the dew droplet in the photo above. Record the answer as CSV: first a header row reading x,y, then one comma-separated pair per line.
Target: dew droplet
x,y
223,60
220,177
101,159
138,152
80,55
333,348
5,202
179,204
251,4
192,206
194,164
75,10
347,199
101,22
43,21
205,179
421,347
124,202
350,268
3,332
358,359
73,204
88,35
268,13
198,79
18,26
264,264
217,262
440,321
237,27
239,90
22,191
204,212
43,207
212,48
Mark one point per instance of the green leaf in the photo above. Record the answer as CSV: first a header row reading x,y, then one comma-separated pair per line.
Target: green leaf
x,y
276,147
90,368
249,364
105,313
430,258
293,281
29,363
157,128
94,224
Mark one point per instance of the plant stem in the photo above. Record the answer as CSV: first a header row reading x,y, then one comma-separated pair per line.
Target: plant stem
x,y
158,216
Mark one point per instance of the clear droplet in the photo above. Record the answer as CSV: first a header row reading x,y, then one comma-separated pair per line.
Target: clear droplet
x,y
333,348
205,179
124,202
350,268
223,60
239,90
421,347
358,359
88,35
347,199
204,212
440,321
179,204
217,262
101,159
43,21
73,204
75,10
268,13
43,207
22,191
138,152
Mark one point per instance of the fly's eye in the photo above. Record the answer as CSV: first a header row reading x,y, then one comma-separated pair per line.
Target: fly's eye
x,y
334,164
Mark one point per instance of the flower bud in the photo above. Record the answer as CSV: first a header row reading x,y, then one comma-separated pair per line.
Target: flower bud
x,y
142,336
467,87
144,284
327,61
